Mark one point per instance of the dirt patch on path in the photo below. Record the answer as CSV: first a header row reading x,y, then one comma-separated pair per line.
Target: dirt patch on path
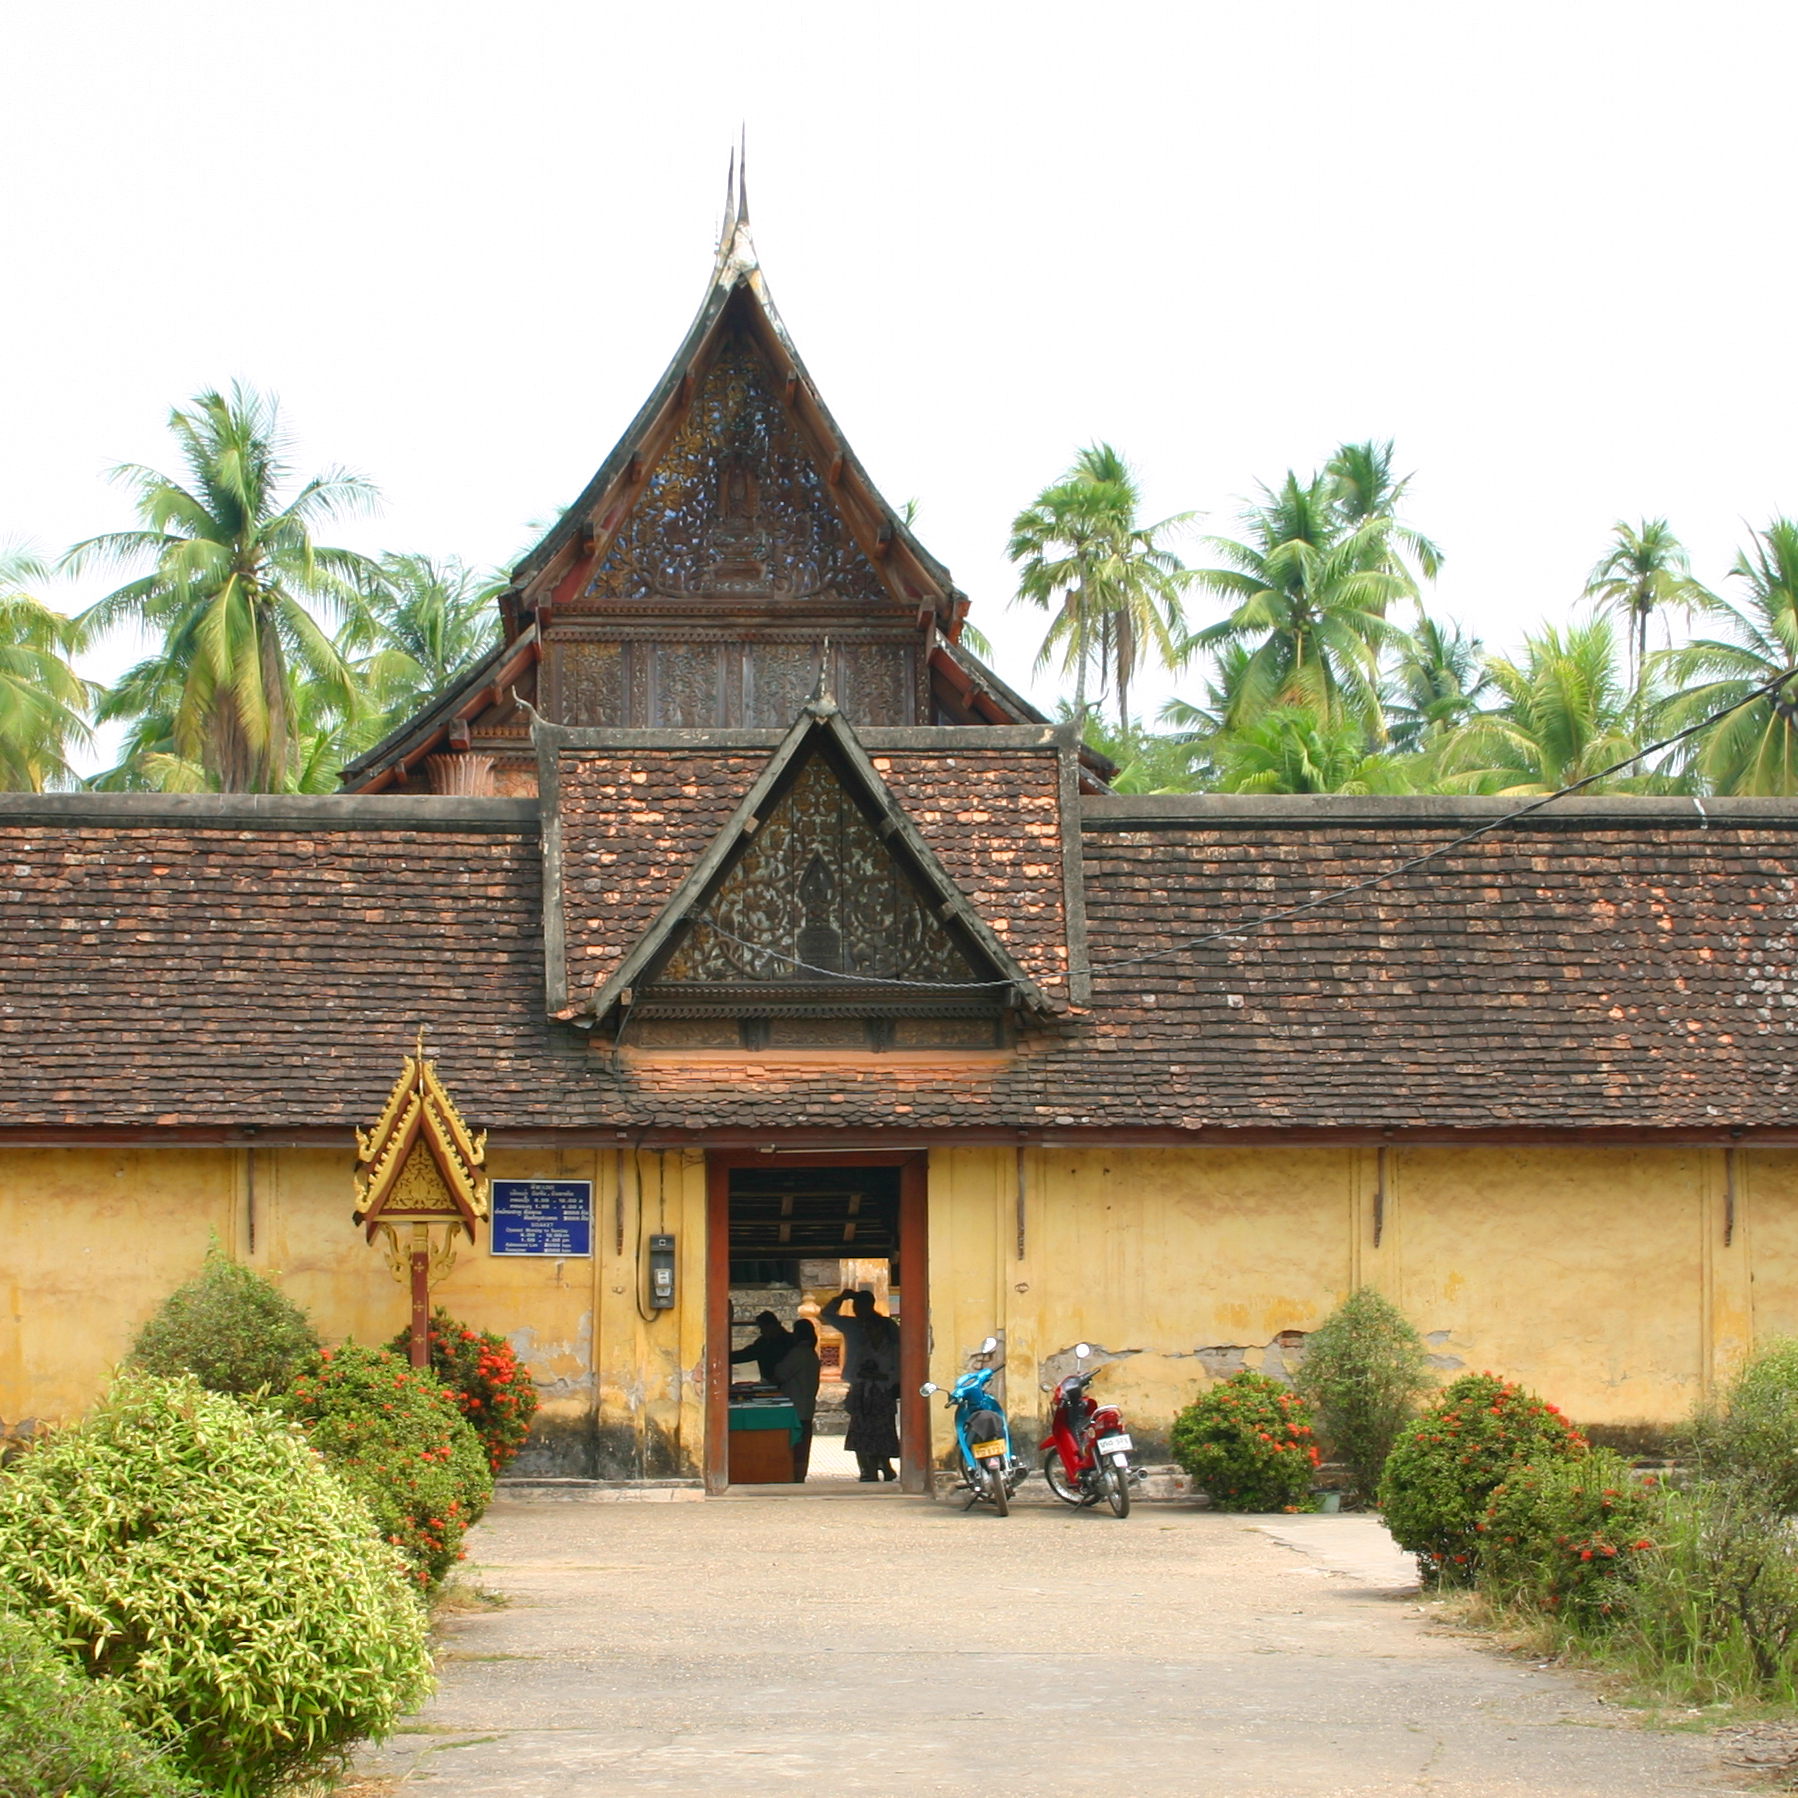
x,y
904,1647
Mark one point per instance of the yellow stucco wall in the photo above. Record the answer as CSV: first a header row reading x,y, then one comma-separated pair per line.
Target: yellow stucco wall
x,y
1602,1277
94,1239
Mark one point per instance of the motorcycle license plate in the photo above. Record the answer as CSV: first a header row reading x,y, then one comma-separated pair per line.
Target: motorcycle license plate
x,y
984,1451
1115,1445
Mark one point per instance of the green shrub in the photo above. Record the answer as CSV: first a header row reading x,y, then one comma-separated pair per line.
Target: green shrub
x,y
483,1375
1445,1463
1248,1444
1752,1434
1563,1536
198,1558
230,1327
1364,1373
1712,1612
397,1439
62,1733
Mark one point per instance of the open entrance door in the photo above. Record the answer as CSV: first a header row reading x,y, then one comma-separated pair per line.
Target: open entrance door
x,y
786,1235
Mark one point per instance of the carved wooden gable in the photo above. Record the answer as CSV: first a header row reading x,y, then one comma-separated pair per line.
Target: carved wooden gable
x,y
736,508
818,904
731,580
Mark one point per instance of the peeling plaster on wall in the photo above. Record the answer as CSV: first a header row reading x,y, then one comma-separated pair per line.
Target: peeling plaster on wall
x,y
1056,1367
1446,1363
548,1361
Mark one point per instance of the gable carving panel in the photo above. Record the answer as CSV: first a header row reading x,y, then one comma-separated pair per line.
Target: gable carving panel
x,y
736,508
817,887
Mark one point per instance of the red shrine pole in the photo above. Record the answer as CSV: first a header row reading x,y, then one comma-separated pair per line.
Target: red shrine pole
x,y
421,1306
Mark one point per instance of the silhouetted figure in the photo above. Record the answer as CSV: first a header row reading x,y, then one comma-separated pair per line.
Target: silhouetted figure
x,y
797,1377
871,1366
768,1348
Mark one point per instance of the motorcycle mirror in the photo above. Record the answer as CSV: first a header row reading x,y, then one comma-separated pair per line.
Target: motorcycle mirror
x,y
928,1388
991,1343
1082,1350
1047,1387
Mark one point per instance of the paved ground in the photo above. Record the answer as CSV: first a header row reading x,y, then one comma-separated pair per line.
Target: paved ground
x,y
866,1643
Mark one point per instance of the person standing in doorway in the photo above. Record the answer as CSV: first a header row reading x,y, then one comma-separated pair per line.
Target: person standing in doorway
x,y
772,1341
797,1377
871,1366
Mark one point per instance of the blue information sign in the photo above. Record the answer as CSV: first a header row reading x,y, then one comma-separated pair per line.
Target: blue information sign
x,y
542,1217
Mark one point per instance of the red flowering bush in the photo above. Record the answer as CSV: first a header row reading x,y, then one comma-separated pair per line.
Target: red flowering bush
x,y
1248,1444
1441,1472
396,1438
486,1379
1563,1535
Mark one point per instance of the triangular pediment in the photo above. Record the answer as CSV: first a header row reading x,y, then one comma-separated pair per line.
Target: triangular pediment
x,y
736,508
819,895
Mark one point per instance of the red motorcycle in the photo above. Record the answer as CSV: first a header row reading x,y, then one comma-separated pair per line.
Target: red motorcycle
x,y
1087,1451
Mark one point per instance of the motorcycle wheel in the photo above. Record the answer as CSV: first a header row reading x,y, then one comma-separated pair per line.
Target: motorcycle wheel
x,y
995,1490
1057,1477
1117,1488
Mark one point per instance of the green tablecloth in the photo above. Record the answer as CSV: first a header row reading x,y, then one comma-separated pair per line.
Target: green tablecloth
x,y
767,1414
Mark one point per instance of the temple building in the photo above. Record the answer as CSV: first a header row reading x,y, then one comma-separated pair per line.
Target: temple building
x,y
764,938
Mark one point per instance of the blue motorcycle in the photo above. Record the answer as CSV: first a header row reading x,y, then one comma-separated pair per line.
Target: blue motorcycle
x,y
989,1470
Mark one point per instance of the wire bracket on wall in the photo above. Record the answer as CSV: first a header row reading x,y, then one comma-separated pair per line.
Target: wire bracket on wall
x,y
1379,1195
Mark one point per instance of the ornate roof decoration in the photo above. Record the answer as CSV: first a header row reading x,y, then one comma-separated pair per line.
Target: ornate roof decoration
x,y
819,893
420,1163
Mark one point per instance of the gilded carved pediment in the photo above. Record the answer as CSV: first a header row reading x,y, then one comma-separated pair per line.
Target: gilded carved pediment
x,y
420,1161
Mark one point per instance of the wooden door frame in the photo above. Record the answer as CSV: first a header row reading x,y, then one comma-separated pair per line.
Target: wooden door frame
x,y
914,1289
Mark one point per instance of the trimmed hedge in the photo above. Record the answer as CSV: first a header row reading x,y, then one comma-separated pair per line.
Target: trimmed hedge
x,y
1248,1444
1441,1472
482,1373
1564,1535
64,1734
230,1327
397,1439
195,1555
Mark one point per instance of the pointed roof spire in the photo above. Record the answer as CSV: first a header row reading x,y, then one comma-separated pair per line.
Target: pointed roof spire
x,y
728,229
736,249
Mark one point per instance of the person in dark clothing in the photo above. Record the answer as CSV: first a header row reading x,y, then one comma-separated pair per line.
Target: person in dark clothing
x,y
797,1377
871,1364
768,1349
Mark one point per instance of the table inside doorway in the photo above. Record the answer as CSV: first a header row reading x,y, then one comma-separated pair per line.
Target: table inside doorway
x,y
763,1434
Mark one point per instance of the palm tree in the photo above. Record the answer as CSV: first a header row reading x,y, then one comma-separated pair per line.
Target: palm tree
x,y
1564,713
1310,591
234,569
1303,749
423,623
1646,570
1437,681
1112,584
1755,749
43,702
1361,478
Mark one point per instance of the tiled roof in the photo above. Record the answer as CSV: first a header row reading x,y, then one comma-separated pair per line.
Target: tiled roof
x,y
220,962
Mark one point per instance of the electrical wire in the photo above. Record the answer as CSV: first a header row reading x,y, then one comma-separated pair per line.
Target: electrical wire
x,y
1335,894
940,986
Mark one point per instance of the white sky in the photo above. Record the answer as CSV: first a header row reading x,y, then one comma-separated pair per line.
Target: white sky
x,y
1544,246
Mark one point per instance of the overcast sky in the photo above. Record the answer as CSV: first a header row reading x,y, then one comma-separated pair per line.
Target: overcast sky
x,y
1544,246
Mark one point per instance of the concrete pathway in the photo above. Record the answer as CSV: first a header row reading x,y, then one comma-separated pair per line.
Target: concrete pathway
x,y
855,1643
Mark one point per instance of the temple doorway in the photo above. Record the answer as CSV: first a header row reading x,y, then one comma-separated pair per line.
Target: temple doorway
x,y
789,1237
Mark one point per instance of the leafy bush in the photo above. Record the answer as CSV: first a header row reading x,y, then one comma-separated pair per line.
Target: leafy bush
x,y
397,1439
1563,1536
1248,1444
196,1557
1752,1436
483,1375
230,1327
1364,1372
61,1732
1712,1612
1443,1467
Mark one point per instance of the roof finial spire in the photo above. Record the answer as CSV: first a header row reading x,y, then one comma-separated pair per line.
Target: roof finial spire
x,y
728,229
743,174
